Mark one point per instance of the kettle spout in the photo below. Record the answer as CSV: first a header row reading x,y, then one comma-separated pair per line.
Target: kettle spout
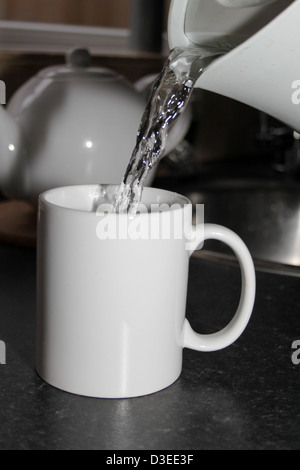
x,y
12,158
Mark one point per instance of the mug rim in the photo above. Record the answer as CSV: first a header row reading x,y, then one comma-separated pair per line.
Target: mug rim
x,y
170,196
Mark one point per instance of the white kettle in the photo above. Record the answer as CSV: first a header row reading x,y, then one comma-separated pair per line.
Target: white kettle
x,y
263,68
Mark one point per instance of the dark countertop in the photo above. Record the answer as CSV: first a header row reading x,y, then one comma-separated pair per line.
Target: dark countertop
x,y
244,397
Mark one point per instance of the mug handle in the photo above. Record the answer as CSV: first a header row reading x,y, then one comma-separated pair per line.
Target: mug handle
x,y
228,335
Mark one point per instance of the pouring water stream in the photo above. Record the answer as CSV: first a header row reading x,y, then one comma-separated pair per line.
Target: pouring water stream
x,y
170,95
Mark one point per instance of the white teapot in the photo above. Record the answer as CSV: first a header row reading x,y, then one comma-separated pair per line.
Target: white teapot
x,y
70,124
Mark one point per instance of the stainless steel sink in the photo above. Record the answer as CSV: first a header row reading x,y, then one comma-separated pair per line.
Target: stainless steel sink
x,y
265,214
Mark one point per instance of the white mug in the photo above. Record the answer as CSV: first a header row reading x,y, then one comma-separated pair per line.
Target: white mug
x,y
112,291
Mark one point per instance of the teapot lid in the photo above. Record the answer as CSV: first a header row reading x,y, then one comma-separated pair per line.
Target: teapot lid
x,y
77,66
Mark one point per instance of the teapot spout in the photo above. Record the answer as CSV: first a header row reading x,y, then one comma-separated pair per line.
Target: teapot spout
x,y
12,158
